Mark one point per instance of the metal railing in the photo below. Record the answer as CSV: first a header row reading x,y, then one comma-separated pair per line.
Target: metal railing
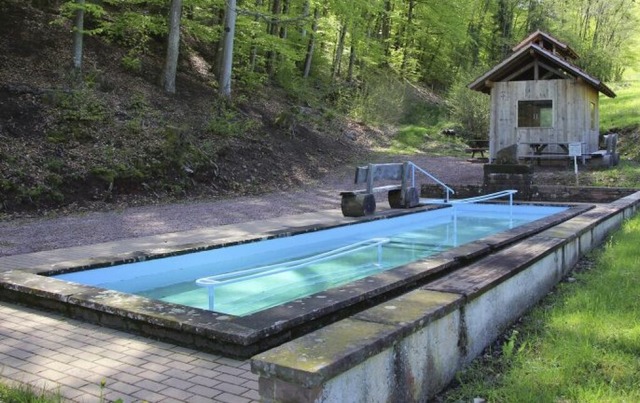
x,y
414,167
490,196
243,275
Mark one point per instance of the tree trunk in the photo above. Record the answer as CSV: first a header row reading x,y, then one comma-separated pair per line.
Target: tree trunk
x,y
352,61
173,48
407,36
305,12
312,44
273,30
227,58
78,33
285,11
337,61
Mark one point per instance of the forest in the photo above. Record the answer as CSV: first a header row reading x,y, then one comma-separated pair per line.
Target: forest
x,y
176,89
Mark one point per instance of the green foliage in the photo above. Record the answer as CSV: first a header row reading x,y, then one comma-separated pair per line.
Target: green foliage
x,y
470,109
226,121
621,111
381,100
582,343
626,174
417,139
28,394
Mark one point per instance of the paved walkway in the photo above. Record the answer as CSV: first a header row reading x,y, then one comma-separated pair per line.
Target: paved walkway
x,y
76,358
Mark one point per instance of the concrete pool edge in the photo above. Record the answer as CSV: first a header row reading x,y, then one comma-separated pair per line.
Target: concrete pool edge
x,y
410,347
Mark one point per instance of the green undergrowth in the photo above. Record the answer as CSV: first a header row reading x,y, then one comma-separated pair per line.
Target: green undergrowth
x,y
580,344
430,140
626,175
27,394
622,111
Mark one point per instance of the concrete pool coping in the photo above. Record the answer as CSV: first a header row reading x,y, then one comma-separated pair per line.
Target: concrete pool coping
x,y
411,346
22,281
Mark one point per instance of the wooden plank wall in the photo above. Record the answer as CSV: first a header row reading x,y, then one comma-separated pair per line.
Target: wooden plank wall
x,y
572,116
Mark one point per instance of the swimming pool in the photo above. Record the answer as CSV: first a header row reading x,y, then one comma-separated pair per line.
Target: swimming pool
x,y
279,270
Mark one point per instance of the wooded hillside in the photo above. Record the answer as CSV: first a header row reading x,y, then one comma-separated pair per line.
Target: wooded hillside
x,y
106,98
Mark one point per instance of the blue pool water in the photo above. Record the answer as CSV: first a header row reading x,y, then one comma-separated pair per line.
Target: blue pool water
x,y
279,270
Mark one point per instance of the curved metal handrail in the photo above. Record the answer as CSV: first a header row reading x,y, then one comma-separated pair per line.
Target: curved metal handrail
x,y
447,189
242,275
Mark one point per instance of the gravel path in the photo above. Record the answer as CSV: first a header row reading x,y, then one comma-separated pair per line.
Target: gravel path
x,y
37,234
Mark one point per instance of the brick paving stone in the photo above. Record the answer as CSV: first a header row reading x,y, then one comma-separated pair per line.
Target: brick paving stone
x,y
122,388
181,366
177,393
152,366
234,380
230,362
73,382
130,369
204,363
207,373
252,385
151,385
52,375
148,395
107,362
130,359
125,377
230,398
231,388
204,391
153,376
112,396
178,383
18,353
63,358
184,358
203,381
179,374
229,370
252,394
157,359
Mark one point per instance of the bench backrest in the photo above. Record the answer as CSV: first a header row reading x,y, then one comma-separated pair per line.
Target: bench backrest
x,y
376,172
380,172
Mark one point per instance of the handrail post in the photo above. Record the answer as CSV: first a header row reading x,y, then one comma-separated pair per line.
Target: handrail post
x,y
212,296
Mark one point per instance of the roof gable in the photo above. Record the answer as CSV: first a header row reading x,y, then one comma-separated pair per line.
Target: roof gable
x,y
548,42
532,60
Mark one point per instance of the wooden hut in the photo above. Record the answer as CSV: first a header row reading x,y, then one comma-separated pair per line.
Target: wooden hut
x,y
541,101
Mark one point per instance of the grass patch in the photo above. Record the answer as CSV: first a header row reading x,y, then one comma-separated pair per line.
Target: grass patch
x,y
621,111
413,139
581,344
27,394
626,175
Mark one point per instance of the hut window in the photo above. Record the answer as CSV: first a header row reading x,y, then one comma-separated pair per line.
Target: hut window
x,y
535,113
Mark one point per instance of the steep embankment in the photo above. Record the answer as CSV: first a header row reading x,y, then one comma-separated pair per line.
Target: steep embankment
x,y
111,135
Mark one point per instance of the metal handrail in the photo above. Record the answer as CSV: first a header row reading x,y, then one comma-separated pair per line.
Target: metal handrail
x,y
447,189
242,275
509,192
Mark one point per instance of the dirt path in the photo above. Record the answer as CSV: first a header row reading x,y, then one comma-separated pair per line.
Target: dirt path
x,y
36,234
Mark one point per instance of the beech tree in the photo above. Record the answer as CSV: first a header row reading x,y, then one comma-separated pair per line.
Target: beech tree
x,y
78,34
168,80
227,53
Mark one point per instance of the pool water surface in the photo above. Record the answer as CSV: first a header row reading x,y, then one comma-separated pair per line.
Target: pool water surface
x,y
244,279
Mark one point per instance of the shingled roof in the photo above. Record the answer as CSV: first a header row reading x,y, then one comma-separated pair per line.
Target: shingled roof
x,y
539,56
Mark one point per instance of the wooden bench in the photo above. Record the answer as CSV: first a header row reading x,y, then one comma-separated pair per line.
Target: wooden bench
x,y
358,203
